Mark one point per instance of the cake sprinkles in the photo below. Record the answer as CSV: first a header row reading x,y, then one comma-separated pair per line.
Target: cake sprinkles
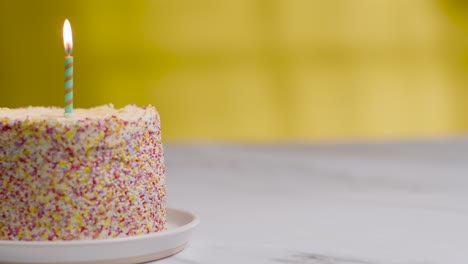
x,y
99,174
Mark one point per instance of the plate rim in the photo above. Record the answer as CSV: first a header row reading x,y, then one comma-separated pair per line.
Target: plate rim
x,y
63,243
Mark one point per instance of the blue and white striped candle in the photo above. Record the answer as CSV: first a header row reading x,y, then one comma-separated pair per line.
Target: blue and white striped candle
x,y
68,45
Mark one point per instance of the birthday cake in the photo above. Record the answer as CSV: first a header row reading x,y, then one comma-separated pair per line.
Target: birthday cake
x,y
98,174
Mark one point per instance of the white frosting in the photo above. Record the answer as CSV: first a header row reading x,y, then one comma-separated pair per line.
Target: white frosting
x,y
129,113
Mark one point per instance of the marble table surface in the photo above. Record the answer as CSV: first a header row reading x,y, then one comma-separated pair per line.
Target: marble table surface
x,y
349,203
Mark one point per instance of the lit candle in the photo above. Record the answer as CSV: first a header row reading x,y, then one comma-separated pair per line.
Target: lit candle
x,y
68,45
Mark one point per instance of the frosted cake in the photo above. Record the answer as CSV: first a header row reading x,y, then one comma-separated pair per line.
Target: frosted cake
x,y
98,174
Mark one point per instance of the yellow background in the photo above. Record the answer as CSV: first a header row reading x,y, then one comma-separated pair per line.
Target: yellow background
x,y
250,70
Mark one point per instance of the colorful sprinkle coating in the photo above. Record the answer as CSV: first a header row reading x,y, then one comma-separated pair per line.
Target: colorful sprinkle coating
x,y
81,178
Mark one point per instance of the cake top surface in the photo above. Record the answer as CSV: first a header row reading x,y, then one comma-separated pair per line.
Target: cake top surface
x,y
129,113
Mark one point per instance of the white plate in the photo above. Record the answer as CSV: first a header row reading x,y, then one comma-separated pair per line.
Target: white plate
x,y
135,249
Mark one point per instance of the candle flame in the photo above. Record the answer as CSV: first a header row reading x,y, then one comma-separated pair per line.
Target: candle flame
x,y
67,37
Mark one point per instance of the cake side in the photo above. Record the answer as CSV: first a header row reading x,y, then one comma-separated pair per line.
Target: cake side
x,y
99,174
